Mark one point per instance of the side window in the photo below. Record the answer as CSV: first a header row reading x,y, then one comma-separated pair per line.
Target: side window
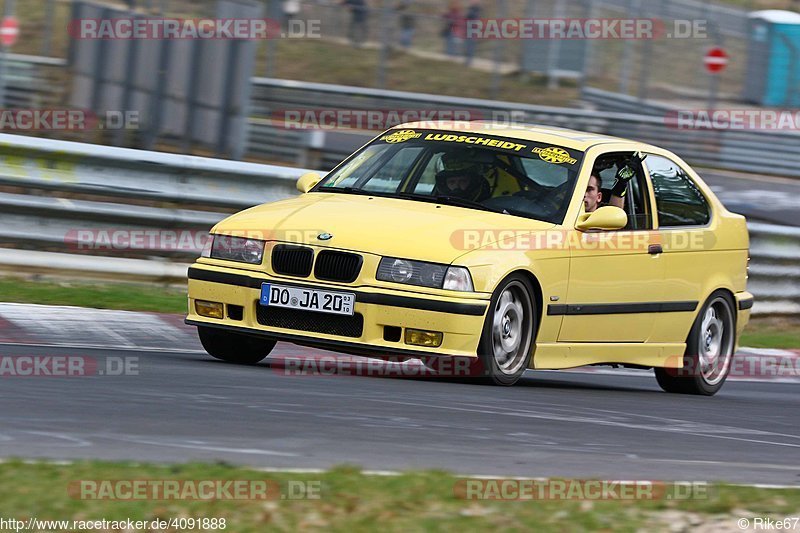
x,y
678,200
637,199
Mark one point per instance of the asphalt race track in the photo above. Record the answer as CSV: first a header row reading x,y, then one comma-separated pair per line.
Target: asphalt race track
x,y
181,406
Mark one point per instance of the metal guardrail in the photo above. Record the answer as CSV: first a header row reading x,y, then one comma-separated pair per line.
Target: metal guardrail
x,y
82,226
775,268
72,167
613,102
33,81
73,265
140,177
37,85
773,152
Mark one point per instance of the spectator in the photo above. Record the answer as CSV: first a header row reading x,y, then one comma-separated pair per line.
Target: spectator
x,y
291,8
358,21
453,30
406,23
473,12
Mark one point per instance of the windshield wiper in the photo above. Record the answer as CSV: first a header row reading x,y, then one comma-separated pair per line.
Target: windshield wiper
x,y
463,202
517,213
350,190
447,200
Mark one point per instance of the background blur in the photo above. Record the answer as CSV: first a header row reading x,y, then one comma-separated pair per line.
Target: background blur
x,y
397,45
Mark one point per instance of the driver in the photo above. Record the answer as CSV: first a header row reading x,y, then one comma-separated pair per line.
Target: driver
x,y
593,197
461,178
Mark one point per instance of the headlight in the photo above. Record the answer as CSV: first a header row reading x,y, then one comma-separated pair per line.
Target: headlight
x,y
237,249
458,279
424,274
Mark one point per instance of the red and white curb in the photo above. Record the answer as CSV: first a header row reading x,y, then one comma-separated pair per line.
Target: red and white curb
x,y
62,326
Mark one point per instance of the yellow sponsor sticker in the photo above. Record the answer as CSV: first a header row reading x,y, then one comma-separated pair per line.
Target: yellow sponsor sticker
x,y
471,139
555,155
400,136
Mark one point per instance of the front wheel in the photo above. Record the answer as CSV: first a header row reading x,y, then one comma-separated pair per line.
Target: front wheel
x,y
709,351
234,347
505,347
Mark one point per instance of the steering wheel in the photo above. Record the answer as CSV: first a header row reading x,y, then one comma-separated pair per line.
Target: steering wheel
x,y
534,191
554,199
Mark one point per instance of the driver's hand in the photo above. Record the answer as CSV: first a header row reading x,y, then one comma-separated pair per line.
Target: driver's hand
x,y
624,174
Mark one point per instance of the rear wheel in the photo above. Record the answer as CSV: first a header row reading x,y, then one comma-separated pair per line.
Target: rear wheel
x,y
709,350
234,347
508,333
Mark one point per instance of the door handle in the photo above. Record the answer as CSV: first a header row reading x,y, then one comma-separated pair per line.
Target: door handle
x,y
654,249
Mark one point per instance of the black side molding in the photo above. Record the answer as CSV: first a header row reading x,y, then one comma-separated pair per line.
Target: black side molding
x,y
621,309
746,303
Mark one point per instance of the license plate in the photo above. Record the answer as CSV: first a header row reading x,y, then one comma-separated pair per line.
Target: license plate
x,y
338,303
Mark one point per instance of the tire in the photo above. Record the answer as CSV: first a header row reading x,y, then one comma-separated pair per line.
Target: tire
x,y
234,347
508,333
709,350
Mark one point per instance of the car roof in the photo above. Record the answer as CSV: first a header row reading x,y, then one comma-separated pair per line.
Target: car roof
x,y
577,140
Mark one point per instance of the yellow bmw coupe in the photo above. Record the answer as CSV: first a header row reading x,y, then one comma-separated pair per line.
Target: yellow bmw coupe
x,y
514,247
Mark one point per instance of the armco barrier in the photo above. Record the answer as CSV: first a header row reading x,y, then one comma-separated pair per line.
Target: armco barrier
x,y
34,83
155,186
765,152
155,176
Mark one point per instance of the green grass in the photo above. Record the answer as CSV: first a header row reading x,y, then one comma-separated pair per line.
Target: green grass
x,y
349,500
132,297
322,61
772,332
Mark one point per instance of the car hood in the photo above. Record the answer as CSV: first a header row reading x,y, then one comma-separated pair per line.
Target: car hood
x,y
384,226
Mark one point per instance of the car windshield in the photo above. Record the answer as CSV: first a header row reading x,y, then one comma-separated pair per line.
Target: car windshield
x,y
476,171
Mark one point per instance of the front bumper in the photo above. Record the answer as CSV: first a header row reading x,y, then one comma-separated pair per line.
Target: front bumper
x,y
459,319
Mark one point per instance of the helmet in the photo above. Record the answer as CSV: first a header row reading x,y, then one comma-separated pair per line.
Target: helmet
x,y
462,177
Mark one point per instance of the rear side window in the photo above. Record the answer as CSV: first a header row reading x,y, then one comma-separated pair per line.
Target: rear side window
x,y
678,200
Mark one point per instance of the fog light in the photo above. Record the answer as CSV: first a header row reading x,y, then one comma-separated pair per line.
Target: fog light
x,y
208,309
418,337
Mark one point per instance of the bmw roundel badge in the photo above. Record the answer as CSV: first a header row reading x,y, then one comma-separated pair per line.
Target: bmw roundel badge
x,y
325,236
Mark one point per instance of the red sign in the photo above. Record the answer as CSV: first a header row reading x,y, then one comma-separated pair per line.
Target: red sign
x,y
9,31
716,59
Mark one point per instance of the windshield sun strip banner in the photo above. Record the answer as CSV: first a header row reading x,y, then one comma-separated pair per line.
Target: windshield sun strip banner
x,y
557,155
